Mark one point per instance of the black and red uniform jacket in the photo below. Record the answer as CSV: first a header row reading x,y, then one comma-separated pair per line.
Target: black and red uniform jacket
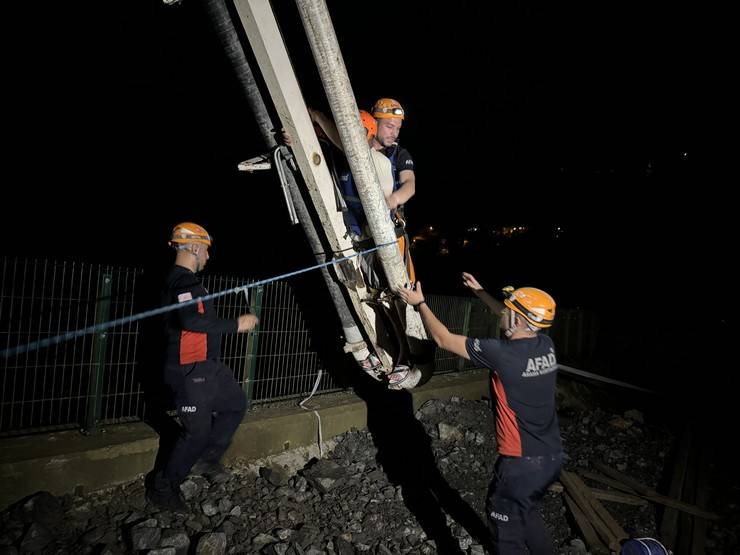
x,y
523,378
193,332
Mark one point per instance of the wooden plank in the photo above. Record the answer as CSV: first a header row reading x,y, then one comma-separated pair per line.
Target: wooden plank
x,y
616,484
588,533
578,490
614,527
618,497
655,497
669,522
606,495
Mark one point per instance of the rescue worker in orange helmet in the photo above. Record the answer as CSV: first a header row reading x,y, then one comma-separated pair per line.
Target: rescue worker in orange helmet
x,y
523,369
210,404
402,377
401,186
390,116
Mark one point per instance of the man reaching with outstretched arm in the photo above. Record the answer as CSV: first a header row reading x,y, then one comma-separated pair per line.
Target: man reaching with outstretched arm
x,y
523,370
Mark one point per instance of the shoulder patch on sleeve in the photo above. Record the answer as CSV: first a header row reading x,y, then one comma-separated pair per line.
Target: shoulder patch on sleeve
x,y
182,297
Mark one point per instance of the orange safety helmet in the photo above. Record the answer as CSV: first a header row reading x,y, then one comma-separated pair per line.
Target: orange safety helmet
x,y
388,108
536,306
369,123
188,232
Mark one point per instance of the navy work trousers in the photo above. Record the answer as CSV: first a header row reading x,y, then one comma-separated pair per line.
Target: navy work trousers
x,y
518,483
210,405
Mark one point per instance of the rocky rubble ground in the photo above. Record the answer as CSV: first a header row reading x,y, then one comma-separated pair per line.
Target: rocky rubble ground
x,y
417,488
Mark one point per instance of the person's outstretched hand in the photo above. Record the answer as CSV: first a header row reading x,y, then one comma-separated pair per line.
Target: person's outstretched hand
x,y
471,282
412,296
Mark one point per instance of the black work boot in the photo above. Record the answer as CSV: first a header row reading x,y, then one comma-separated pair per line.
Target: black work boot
x,y
213,471
164,495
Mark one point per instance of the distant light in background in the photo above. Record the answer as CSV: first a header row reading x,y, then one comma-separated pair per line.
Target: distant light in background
x,y
514,230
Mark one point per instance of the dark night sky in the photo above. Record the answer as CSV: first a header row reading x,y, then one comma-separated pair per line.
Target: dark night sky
x,y
539,115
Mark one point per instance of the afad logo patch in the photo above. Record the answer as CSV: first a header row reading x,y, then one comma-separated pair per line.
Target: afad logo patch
x,y
499,516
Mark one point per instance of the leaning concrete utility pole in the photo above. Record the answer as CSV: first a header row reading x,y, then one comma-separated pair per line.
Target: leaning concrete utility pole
x,y
224,26
269,50
325,48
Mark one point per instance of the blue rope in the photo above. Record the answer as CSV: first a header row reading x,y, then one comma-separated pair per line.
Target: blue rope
x,y
35,345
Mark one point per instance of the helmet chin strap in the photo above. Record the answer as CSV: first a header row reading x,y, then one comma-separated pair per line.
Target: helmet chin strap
x,y
509,331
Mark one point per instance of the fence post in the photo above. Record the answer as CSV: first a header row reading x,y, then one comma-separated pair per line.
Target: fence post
x,y
255,307
465,330
97,366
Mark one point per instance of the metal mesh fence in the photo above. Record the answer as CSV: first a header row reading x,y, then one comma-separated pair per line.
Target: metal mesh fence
x,y
93,379
54,386
464,316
